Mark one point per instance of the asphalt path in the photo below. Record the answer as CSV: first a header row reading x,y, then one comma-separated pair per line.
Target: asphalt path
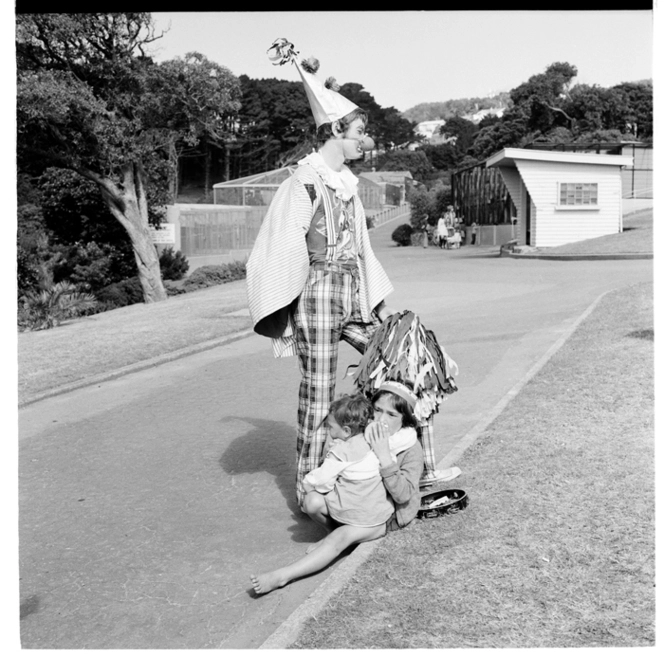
x,y
146,501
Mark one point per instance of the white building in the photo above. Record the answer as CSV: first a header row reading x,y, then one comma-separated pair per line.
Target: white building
x,y
427,129
477,116
562,197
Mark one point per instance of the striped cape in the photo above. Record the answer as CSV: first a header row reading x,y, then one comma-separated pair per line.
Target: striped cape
x,y
278,265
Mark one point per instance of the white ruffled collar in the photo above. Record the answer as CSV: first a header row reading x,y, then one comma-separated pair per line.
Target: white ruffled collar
x,y
344,182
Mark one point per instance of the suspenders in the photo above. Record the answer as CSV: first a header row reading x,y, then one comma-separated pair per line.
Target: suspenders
x,y
329,218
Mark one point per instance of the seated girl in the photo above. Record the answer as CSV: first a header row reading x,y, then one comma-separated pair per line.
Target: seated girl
x,y
392,437
350,487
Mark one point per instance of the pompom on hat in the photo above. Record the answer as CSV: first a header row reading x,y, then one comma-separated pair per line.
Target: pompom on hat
x,y
327,105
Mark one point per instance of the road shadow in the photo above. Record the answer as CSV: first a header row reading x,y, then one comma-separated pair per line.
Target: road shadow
x,y
269,446
29,605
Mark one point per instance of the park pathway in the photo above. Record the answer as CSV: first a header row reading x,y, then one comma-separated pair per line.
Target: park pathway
x,y
146,501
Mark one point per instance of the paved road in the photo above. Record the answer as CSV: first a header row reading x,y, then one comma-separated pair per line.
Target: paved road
x,y
146,501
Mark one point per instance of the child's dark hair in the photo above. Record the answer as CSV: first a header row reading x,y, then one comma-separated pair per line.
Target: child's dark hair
x,y
400,405
352,411
324,131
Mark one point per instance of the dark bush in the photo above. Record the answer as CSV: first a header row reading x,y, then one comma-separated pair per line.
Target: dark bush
x,y
173,265
27,271
51,306
401,234
118,295
214,275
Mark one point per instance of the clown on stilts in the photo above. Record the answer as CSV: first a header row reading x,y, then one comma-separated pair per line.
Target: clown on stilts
x,y
312,276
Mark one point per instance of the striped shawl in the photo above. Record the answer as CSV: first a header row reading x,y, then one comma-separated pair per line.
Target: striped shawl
x,y
278,265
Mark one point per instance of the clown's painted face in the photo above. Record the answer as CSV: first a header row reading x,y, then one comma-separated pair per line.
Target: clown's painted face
x,y
355,140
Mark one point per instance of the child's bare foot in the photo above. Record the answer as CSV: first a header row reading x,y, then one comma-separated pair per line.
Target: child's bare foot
x,y
267,582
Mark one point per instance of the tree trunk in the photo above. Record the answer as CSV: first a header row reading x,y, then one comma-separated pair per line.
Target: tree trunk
x,y
207,172
129,206
174,182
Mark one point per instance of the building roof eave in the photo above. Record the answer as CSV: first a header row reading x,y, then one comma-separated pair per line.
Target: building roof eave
x,y
508,157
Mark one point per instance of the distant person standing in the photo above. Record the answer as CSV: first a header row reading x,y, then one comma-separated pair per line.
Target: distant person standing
x,y
462,231
442,232
473,233
451,219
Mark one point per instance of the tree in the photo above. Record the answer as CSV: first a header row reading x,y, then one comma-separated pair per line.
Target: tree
x,y
395,129
89,100
421,208
639,96
74,210
275,125
404,160
590,108
61,122
536,110
464,131
539,98
510,131
196,101
442,156
386,125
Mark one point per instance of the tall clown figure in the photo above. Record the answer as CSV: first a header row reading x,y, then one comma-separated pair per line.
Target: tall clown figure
x,y
312,276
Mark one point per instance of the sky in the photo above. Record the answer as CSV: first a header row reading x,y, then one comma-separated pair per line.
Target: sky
x,y
404,58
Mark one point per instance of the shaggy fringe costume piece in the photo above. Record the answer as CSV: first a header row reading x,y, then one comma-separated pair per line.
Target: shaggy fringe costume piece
x,y
403,350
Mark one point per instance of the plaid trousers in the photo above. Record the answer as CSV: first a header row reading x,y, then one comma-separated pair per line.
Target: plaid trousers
x,y
327,312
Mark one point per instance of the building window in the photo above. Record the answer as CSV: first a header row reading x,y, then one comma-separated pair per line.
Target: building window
x,y
578,194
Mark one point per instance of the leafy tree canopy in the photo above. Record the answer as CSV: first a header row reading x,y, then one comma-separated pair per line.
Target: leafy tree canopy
x,y
90,100
463,129
639,97
275,124
404,160
386,125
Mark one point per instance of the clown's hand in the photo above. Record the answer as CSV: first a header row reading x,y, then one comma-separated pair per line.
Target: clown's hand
x,y
384,311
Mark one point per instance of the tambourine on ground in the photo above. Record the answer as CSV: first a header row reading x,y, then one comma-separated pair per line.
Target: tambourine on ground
x,y
442,502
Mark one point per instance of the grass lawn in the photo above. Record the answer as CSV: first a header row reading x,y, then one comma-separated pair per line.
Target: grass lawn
x,y
557,545
636,238
97,344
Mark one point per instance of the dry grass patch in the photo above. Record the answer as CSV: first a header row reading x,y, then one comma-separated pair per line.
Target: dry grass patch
x,y
556,548
105,342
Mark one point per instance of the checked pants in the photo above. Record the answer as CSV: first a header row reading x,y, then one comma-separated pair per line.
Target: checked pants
x,y
327,312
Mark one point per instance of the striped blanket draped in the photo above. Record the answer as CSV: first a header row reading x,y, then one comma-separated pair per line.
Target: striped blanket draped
x,y
278,266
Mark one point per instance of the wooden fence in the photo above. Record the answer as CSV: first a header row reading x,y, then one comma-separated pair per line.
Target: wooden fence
x,y
389,214
208,234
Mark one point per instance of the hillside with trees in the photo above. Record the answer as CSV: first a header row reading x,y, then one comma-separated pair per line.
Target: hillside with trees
x,y
435,111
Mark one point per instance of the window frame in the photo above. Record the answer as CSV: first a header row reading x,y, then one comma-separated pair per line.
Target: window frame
x,y
583,196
